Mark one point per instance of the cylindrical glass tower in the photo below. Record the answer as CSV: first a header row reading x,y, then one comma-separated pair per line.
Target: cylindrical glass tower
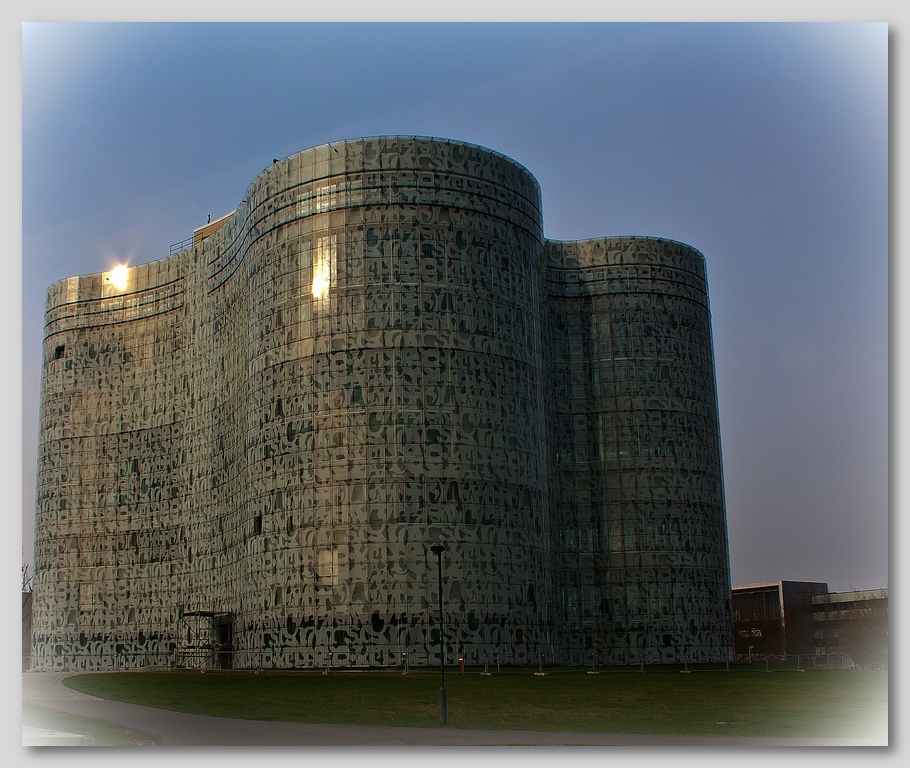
x,y
248,447
396,398
636,468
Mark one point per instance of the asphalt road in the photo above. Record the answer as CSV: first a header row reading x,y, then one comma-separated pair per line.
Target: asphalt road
x,y
176,729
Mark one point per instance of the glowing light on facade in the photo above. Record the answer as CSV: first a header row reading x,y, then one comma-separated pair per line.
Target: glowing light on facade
x,y
118,277
320,281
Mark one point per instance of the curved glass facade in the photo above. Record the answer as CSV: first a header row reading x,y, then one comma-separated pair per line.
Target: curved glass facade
x,y
636,471
248,447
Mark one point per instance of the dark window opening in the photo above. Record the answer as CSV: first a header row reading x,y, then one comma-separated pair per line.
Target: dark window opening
x,y
257,525
58,351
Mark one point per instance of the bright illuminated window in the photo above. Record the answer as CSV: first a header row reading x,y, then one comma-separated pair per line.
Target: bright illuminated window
x,y
324,266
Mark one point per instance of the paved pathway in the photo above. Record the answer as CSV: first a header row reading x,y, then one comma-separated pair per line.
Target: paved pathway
x,y
168,728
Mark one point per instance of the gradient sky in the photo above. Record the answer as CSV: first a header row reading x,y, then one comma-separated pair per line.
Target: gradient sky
x,y
765,146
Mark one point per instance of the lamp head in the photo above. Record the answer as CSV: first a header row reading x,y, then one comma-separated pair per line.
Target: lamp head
x,y
438,548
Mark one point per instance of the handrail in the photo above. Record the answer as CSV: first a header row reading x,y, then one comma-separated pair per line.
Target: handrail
x,y
182,245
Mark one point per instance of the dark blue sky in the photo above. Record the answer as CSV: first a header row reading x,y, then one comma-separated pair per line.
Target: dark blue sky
x,y
765,146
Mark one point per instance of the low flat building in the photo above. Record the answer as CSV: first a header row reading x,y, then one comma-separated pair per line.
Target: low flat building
x,y
855,623
775,617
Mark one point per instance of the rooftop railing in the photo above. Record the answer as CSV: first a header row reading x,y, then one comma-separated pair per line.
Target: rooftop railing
x,y
181,246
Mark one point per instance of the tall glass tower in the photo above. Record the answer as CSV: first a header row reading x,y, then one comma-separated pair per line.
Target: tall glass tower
x,y
248,447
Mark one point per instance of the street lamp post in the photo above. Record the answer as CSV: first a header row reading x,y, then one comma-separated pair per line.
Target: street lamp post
x,y
437,549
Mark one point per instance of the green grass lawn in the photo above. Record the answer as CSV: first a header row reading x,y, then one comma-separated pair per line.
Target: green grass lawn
x,y
826,703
